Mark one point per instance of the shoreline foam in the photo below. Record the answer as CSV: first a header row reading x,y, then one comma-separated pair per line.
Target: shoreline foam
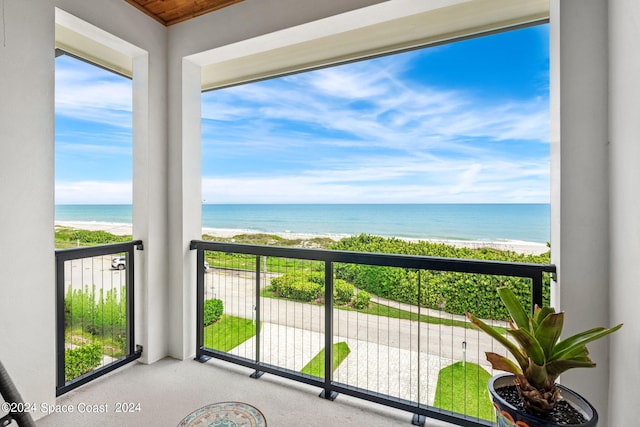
x,y
522,247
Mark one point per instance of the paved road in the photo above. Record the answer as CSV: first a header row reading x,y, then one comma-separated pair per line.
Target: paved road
x,y
96,271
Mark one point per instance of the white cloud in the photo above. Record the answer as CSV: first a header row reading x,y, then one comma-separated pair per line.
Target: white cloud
x,y
94,192
390,180
366,135
386,113
88,93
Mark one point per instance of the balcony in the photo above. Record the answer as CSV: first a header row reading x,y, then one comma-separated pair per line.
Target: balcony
x,y
396,352
168,390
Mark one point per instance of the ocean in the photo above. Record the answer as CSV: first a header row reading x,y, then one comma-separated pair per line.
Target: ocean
x,y
465,222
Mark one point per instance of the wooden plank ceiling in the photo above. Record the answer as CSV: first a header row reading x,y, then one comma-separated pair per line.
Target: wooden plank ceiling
x,y
170,12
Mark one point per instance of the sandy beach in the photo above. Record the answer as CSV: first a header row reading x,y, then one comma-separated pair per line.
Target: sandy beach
x,y
528,248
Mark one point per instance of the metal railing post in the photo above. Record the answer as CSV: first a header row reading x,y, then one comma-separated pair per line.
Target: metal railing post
x,y
129,284
417,419
536,290
328,392
60,324
200,306
257,373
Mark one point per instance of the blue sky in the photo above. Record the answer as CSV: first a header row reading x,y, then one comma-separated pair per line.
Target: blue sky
x,y
460,123
93,135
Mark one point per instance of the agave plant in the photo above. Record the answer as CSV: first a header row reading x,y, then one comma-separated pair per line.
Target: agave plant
x,y
540,357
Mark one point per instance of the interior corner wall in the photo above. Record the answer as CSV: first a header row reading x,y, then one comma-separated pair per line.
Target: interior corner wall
x,y
580,181
27,67
27,302
624,140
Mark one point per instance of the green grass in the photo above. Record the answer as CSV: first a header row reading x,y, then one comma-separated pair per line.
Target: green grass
x,y
464,390
228,332
315,367
67,237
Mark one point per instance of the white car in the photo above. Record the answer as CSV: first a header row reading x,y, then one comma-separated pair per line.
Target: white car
x,y
119,262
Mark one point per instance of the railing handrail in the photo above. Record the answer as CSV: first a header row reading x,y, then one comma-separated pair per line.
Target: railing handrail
x,y
462,265
89,251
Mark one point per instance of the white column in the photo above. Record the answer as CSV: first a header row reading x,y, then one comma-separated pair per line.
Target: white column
x,y
579,180
624,146
185,205
27,299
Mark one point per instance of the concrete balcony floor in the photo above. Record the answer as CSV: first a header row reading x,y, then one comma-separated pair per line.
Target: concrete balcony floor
x,y
170,389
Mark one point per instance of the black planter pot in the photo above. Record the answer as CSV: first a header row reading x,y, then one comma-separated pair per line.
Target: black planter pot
x,y
509,416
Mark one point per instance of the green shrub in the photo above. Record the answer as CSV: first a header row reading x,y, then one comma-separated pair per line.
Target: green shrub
x,y
104,315
304,291
453,292
213,310
301,287
361,300
81,360
342,291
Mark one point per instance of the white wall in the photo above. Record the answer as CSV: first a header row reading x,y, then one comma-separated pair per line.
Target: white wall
x,y
579,180
624,146
27,313
27,304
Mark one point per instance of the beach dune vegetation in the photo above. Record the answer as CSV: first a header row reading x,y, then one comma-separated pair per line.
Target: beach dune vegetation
x,y
452,292
67,237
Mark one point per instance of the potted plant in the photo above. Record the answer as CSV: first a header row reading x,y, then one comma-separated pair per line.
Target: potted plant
x,y
530,396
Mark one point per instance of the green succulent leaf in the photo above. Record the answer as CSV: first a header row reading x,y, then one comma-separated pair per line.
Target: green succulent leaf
x,y
579,352
530,345
513,305
508,344
536,347
548,332
540,314
557,367
568,345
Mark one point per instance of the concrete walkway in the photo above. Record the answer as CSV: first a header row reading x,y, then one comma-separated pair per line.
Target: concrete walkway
x,y
401,373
